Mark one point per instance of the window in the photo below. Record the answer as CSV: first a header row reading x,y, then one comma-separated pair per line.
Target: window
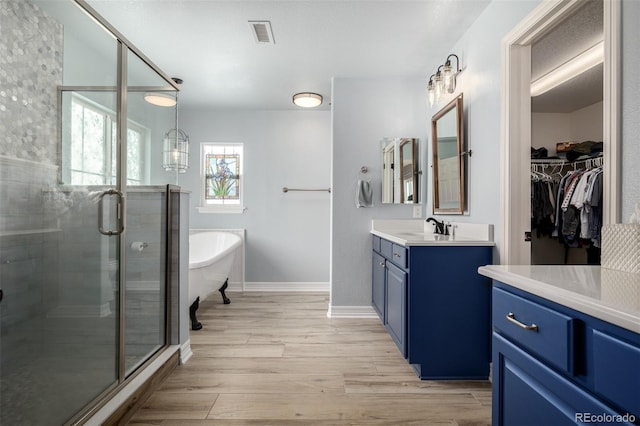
x,y
92,161
221,171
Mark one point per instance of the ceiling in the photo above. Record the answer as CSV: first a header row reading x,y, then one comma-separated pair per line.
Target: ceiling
x,y
210,44
580,31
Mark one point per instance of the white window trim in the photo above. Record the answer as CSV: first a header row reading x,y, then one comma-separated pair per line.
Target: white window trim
x,y
111,118
220,208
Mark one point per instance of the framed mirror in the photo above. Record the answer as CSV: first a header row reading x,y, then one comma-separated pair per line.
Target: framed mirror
x,y
408,171
388,158
448,159
400,171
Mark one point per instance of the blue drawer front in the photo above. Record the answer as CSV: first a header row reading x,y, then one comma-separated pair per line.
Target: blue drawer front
x,y
394,252
399,256
613,378
553,338
376,243
386,248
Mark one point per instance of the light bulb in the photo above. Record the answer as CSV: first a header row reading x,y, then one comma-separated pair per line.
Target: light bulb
x,y
438,88
449,82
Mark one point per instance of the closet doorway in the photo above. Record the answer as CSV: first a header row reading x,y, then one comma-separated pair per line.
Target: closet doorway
x,y
582,108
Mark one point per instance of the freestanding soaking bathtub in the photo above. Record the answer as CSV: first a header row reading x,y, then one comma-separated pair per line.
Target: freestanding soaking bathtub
x,y
211,256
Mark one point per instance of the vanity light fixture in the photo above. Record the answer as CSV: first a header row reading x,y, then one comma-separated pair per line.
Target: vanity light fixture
x,y
449,75
307,99
444,80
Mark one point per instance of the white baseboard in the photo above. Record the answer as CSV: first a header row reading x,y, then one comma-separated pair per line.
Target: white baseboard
x,y
185,352
285,286
351,312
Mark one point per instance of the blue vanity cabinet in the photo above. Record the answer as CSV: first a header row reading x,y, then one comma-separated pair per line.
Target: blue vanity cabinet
x,y
448,312
378,272
436,306
389,288
396,306
553,365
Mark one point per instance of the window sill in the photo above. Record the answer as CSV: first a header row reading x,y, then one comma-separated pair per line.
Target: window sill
x,y
213,210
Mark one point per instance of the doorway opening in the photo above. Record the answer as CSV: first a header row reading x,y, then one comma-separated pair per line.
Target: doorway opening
x,y
523,48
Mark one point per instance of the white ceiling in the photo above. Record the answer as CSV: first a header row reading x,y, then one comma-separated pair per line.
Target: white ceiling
x,y
209,43
580,31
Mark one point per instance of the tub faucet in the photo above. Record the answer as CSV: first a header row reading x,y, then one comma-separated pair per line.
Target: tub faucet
x,y
441,228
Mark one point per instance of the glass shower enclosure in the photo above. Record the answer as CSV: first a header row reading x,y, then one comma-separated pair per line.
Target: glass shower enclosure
x,y
83,211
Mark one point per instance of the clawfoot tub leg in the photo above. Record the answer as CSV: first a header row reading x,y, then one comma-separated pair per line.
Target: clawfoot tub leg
x,y
195,324
222,289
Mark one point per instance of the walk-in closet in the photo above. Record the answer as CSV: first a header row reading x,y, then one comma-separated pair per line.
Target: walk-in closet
x,y
567,140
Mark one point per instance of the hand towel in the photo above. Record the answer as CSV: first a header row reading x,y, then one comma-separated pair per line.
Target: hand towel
x,y
364,194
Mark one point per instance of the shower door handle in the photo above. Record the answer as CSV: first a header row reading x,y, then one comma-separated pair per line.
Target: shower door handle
x,y
119,212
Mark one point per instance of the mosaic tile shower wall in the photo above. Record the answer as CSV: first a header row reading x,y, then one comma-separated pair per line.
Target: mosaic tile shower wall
x,y
30,72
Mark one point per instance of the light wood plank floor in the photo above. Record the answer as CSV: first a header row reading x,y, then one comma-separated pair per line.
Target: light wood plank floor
x,y
276,359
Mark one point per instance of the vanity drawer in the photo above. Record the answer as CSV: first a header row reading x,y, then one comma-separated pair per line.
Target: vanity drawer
x,y
543,331
617,376
386,248
376,243
399,256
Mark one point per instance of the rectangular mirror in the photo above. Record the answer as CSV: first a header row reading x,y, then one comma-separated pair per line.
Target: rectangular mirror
x,y
400,171
448,162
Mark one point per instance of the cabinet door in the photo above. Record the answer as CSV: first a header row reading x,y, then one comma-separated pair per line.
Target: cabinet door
x,y
396,306
378,288
526,392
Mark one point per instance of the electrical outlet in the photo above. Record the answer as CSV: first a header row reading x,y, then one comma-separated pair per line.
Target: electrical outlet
x,y
417,211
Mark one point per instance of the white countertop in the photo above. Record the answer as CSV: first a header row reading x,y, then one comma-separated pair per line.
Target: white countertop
x,y
610,295
415,233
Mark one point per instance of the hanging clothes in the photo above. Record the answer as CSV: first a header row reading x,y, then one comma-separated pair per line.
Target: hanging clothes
x,y
567,205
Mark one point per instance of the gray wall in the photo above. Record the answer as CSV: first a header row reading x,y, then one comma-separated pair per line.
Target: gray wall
x,y
480,52
287,235
481,83
28,154
630,107
364,112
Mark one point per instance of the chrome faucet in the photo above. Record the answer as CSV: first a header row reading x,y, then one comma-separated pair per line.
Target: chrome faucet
x,y
441,227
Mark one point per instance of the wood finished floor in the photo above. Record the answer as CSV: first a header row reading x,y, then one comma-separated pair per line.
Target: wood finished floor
x,y
276,359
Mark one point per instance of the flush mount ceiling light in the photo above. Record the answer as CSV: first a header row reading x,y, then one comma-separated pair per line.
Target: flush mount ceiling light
x,y
160,99
163,99
570,69
307,99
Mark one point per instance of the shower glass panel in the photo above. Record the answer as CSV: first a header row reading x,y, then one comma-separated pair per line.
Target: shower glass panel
x,y
145,298
83,292
58,270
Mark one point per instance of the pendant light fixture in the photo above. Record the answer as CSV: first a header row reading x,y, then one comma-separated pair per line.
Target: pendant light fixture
x,y
307,99
175,155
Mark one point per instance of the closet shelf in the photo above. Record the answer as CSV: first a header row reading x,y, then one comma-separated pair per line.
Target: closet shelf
x,y
562,161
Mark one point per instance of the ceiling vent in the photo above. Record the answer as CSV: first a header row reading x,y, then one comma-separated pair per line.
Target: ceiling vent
x,y
262,32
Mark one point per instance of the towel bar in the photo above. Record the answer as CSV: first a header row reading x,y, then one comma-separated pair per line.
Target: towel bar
x,y
285,189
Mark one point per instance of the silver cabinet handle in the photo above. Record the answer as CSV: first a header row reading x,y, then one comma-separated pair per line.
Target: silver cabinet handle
x,y
512,317
396,254
381,264
120,212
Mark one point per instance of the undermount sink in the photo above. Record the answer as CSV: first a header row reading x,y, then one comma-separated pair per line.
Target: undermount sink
x,y
424,236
